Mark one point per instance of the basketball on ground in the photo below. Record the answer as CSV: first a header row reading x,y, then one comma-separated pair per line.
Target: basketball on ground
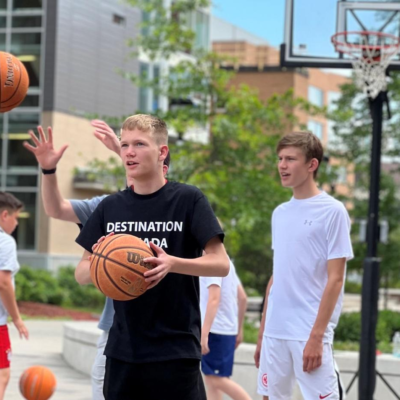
x,y
117,267
37,383
14,81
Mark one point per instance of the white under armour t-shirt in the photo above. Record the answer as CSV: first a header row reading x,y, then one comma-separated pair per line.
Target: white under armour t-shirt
x,y
226,319
305,235
8,262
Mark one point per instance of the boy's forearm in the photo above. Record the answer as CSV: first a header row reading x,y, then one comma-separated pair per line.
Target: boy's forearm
x,y
211,312
207,265
7,296
326,308
54,204
264,313
82,272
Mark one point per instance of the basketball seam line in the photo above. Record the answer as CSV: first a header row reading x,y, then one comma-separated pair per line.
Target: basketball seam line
x,y
120,264
117,287
40,385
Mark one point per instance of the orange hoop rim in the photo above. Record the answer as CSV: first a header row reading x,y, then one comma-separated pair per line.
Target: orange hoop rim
x,y
345,47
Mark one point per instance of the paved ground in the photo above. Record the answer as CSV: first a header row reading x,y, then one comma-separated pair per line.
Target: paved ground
x,y
44,347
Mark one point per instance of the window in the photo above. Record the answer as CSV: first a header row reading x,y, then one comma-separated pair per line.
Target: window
x,y
118,19
18,127
27,21
24,4
333,97
315,96
316,128
32,65
3,4
143,91
25,232
3,22
30,101
25,43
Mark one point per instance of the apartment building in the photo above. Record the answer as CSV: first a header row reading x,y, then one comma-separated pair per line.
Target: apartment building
x,y
73,51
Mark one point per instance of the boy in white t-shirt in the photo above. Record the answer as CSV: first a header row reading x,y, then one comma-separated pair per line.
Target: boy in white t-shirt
x,y
311,243
10,208
223,305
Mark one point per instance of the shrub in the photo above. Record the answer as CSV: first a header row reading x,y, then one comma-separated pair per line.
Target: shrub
x,y
352,287
76,295
37,285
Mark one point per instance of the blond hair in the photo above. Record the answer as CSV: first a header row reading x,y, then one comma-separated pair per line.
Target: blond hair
x,y
309,144
148,123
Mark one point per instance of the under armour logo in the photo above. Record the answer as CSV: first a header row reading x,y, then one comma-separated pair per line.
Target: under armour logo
x,y
307,222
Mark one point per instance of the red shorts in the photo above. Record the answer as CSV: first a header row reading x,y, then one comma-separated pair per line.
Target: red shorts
x,y
5,347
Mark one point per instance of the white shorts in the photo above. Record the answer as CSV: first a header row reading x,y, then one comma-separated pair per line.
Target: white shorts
x,y
281,364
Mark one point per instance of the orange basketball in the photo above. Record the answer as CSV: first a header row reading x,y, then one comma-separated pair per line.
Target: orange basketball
x,y
117,267
14,81
37,383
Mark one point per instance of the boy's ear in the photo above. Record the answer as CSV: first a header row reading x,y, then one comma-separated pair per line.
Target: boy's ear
x,y
313,165
4,213
163,152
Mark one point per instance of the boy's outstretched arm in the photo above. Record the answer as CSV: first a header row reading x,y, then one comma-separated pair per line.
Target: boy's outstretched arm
x,y
48,157
7,296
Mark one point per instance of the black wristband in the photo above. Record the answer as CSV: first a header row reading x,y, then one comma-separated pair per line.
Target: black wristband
x,y
49,171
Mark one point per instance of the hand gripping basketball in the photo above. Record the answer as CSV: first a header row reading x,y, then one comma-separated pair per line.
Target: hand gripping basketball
x,y
163,264
118,265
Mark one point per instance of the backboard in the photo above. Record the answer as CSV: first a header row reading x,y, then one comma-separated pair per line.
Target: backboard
x,y
310,24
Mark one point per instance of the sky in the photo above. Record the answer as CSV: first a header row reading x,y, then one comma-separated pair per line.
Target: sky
x,y
264,18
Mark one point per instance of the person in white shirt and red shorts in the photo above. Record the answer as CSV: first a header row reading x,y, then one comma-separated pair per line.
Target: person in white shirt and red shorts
x,y
311,245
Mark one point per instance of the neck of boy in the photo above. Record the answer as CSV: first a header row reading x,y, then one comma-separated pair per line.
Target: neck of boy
x,y
148,186
306,190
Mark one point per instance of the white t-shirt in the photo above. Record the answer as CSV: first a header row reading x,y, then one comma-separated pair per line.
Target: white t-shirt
x,y
226,319
305,235
8,262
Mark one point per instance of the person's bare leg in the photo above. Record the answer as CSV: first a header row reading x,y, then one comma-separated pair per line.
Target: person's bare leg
x,y
212,392
4,378
227,386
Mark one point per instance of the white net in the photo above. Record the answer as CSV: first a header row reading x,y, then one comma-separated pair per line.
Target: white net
x,y
371,53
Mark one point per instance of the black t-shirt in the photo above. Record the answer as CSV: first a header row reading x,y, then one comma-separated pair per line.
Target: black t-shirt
x,y
164,323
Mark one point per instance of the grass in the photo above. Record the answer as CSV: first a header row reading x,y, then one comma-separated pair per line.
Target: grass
x,y
250,334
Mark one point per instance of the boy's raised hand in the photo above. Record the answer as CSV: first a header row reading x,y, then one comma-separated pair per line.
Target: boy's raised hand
x,y
46,155
106,135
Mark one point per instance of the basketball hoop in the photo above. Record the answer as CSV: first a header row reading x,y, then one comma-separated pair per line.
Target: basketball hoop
x,y
371,53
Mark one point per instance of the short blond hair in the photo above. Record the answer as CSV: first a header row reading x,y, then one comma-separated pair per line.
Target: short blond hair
x,y
148,123
309,144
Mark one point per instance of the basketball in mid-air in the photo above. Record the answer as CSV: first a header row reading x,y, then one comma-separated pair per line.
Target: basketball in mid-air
x,y
14,82
117,267
37,383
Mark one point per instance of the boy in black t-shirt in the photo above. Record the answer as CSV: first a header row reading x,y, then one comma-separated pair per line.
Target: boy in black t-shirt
x,y
153,350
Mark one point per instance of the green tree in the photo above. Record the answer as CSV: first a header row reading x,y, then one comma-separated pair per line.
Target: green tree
x,y
353,128
236,166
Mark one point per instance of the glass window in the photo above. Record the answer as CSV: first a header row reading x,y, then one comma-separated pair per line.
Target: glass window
x,y
27,21
23,4
316,128
30,101
32,65
156,76
25,232
21,180
2,41
333,97
18,127
315,96
3,22
143,91
25,43
3,4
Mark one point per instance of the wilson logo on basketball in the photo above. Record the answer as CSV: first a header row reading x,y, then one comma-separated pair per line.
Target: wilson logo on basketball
x,y
10,72
136,258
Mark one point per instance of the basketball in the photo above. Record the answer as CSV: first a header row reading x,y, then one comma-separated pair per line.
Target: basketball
x,y
14,81
37,383
117,267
